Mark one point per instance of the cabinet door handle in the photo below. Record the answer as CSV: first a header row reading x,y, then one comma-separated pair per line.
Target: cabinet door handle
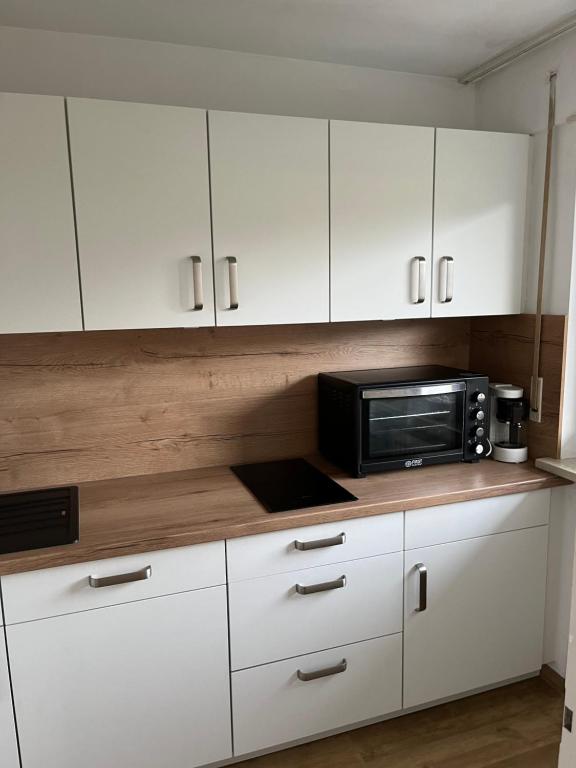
x,y
233,281
337,669
446,279
324,586
422,587
418,280
122,578
197,286
334,541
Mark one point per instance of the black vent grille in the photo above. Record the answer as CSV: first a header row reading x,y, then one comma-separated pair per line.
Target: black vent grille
x,y
36,519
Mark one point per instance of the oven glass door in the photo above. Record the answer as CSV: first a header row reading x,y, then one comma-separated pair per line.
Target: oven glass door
x,y
413,421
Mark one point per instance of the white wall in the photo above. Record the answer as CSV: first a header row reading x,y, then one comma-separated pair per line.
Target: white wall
x,y
560,240
516,99
559,587
34,61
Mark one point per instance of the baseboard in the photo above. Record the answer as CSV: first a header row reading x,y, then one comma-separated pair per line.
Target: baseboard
x,y
553,678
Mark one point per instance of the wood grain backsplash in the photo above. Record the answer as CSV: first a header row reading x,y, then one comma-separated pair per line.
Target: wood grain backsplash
x,y
502,347
89,406
94,405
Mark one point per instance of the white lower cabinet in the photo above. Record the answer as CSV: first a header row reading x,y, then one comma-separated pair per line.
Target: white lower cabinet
x,y
289,614
382,614
139,685
483,618
8,748
297,698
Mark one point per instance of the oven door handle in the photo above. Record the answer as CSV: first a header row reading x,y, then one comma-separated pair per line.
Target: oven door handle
x,y
414,391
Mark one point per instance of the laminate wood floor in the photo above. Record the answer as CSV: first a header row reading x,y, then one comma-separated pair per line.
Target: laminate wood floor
x,y
518,726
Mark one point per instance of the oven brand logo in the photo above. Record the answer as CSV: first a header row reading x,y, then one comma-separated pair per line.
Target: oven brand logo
x,y
413,463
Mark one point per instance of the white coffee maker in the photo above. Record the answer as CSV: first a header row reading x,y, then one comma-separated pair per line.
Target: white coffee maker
x,y
508,423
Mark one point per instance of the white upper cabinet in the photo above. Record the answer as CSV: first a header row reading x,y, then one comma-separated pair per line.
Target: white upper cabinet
x,y
39,289
381,179
143,212
270,218
395,228
479,215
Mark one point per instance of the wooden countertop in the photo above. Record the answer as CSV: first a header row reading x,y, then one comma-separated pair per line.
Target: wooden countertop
x,y
140,514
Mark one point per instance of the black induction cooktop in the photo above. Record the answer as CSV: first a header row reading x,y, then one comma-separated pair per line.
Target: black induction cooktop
x,y
281,486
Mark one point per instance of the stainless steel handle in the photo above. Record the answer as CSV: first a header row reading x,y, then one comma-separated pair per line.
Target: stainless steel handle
x,y
324,586
335,541
418,280
197,283
423,587
446,279
233,281
337,669
413,391
122,578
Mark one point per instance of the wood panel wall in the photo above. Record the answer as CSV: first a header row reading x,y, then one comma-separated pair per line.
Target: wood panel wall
x,y
88,406
502,348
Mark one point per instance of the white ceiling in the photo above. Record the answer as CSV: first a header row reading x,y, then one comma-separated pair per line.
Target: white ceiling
x,y
439,37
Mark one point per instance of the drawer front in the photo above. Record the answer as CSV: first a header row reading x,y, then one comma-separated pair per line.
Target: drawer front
x,y
276,617
482,517
80,587
299,548
273,706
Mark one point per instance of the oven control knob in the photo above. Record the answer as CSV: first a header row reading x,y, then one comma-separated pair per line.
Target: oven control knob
x,y
479,449
478,432
480,397
479,415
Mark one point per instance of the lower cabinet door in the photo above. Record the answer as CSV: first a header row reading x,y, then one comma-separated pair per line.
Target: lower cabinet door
x,y
479,620
8,748
139,685
300,697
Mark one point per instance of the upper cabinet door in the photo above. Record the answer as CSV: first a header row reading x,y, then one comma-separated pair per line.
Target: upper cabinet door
x,y
479,216
381,181
143,212
39,288
270,218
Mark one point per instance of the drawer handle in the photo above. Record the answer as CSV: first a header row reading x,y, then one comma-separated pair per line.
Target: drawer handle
x,y
335,541
326,672
423,586
122,578
324,586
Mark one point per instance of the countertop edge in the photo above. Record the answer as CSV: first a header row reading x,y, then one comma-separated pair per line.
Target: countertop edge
x,y
35,560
